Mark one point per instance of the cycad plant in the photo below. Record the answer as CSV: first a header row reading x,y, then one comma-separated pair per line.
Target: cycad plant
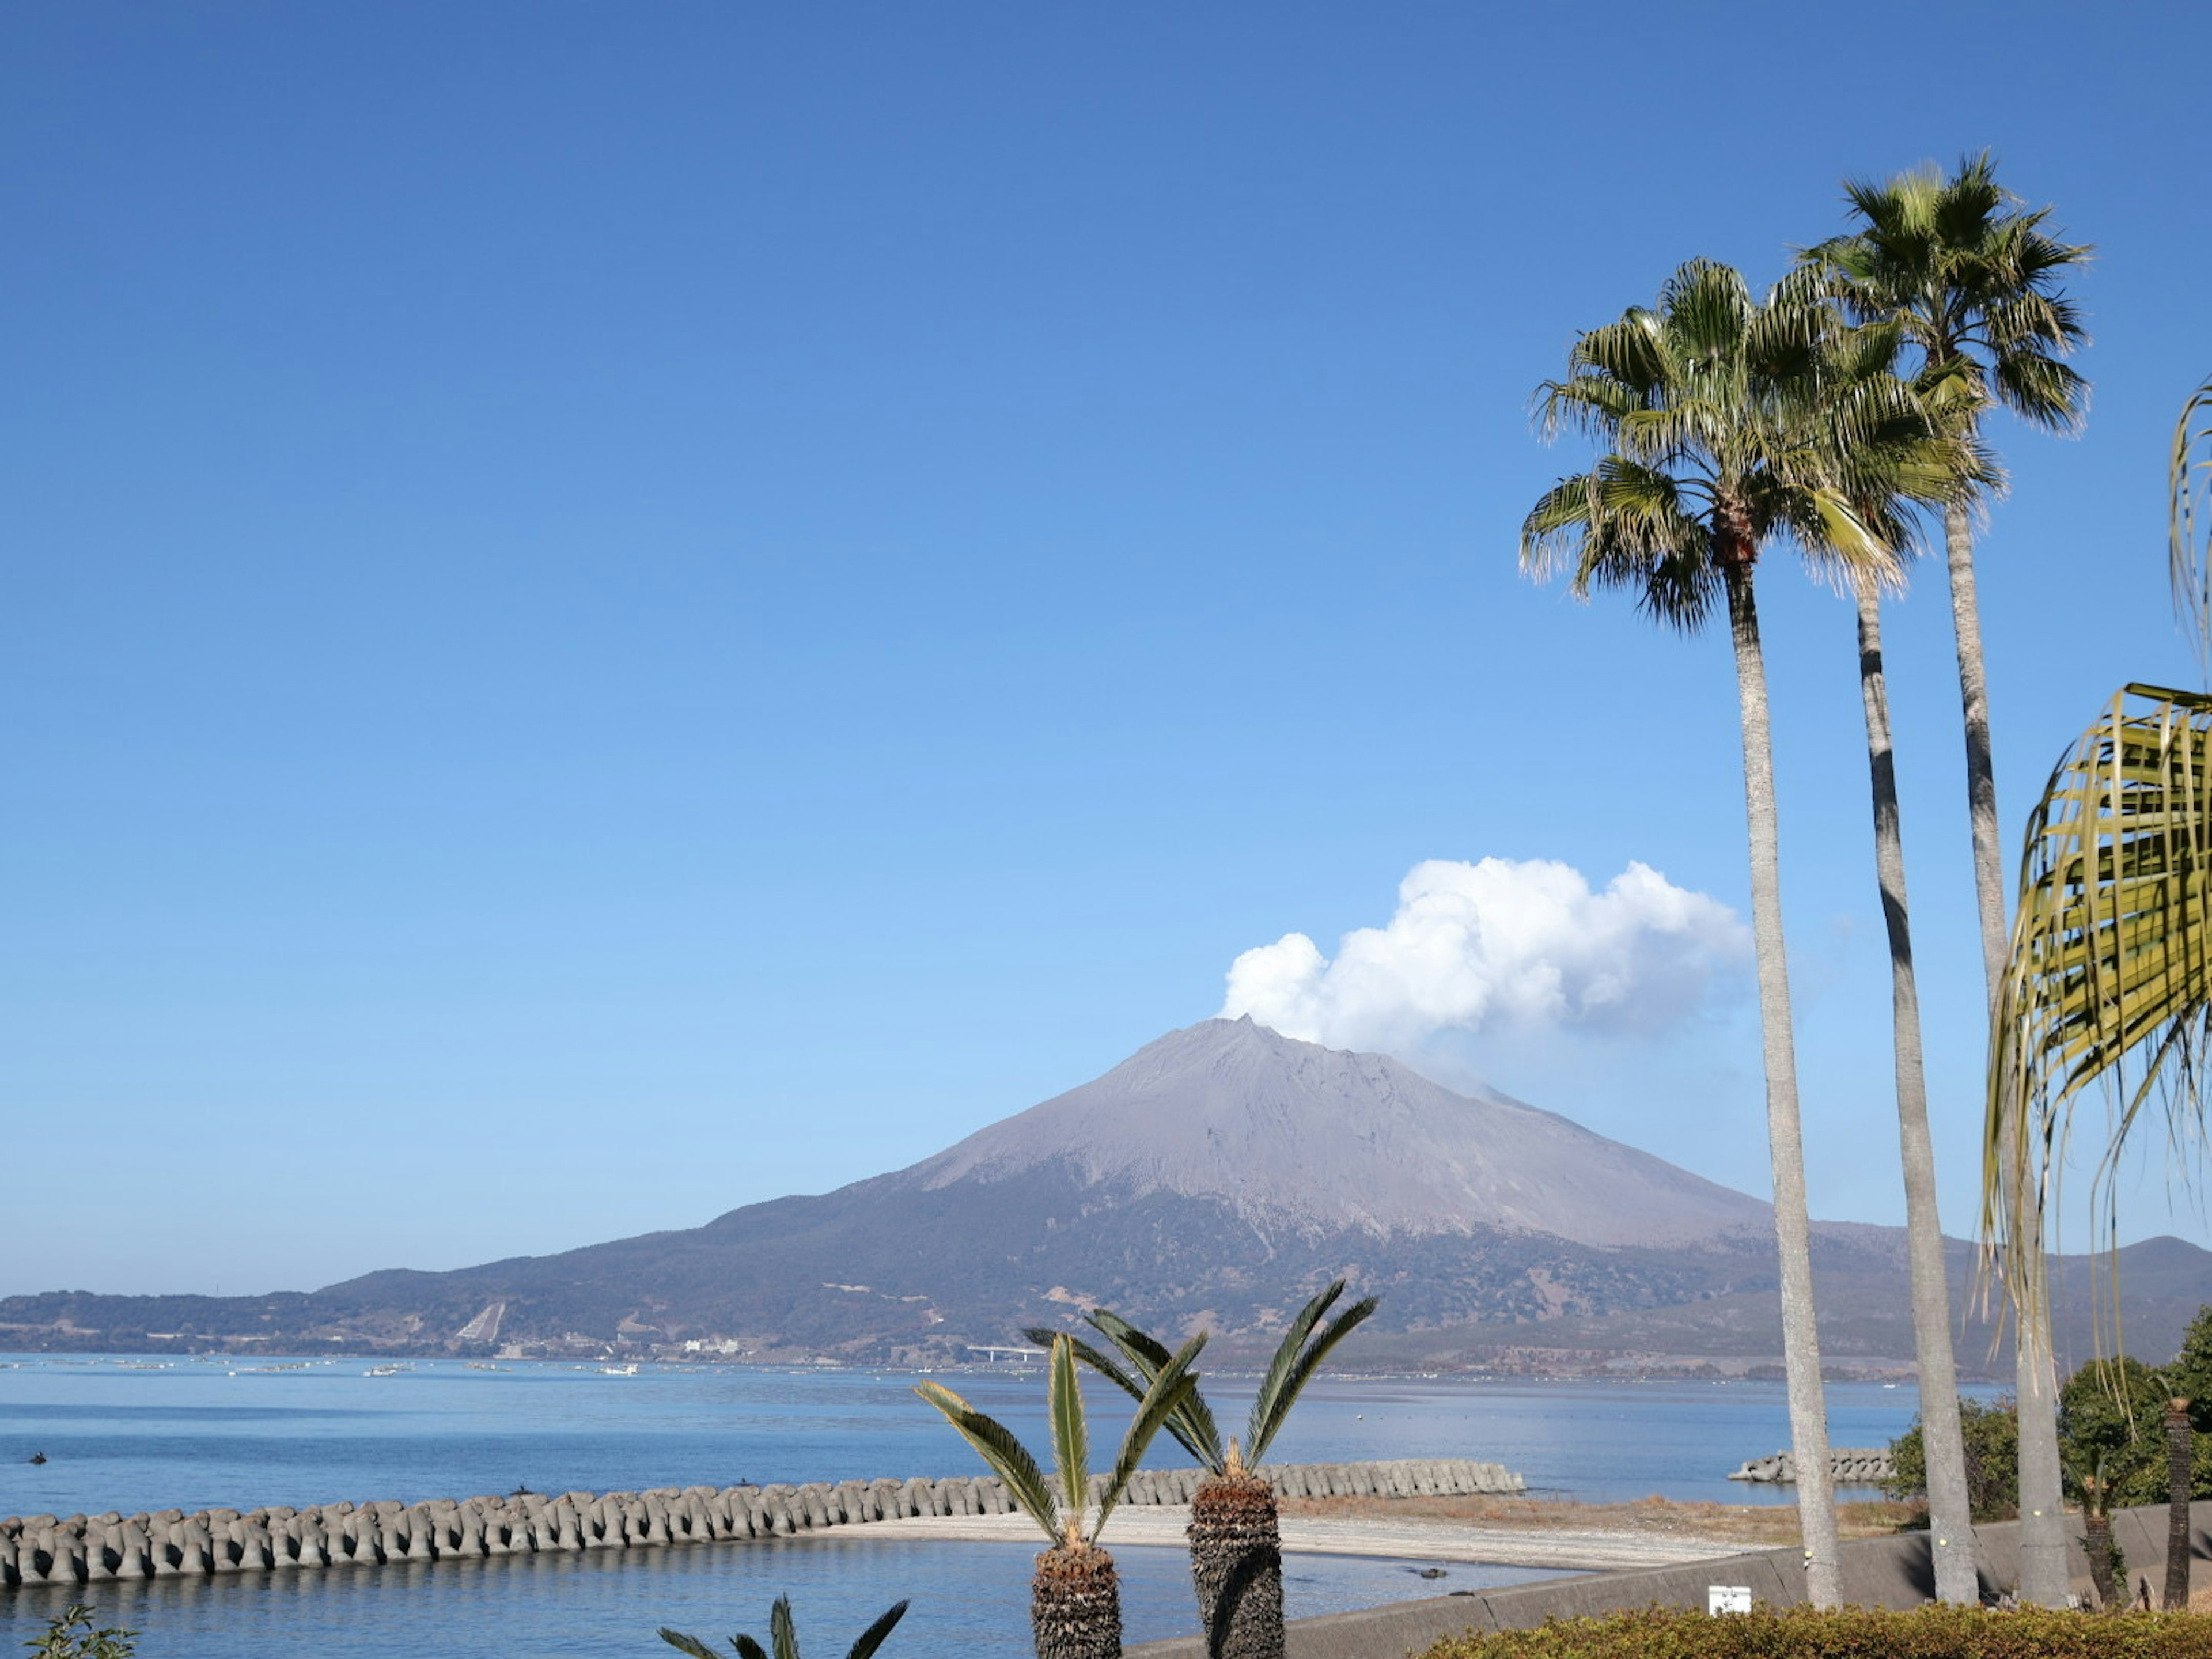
x,y
1728,424
783,1636
1075,1599
1236,1536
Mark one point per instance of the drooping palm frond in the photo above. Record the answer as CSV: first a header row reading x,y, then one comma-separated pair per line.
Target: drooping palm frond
x,y
2188,541
1007,1457
2110,982
1295,1362
865,1645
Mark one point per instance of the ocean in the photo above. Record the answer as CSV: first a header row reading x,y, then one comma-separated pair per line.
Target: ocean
x,y
130,1434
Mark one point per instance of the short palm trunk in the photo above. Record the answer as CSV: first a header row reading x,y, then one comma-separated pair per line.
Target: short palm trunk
x,y
1236,1562
1075,1604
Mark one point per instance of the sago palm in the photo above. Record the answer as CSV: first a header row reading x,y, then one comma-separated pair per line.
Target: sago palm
x,y
1235,1534
1974,282
783,1636
1731,424
1075,1599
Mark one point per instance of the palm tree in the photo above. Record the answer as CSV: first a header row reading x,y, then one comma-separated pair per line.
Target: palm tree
x,y
2180,1449
1950,1513
1236,1537
1075,1599
783,1636
1973,281
1732,424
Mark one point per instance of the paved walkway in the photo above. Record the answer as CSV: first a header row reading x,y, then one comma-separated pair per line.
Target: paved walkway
x,y
1589,1550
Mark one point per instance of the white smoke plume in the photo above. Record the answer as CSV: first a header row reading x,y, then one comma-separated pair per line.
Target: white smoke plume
x,y
1501,946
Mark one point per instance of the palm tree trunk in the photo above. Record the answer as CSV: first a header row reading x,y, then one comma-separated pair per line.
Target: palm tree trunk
x,y
1800,1341
1075,1604
2035,1377
2179,1446
1236,1566
1949,1511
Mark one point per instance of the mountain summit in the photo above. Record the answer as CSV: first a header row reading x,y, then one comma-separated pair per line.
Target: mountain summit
x,y
1291,1133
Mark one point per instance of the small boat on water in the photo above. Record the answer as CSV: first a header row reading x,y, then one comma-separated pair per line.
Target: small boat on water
x,y
386,1370
618,1370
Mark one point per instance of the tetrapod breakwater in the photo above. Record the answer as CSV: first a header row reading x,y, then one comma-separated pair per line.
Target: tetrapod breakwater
x,y
1848,1466
81,1549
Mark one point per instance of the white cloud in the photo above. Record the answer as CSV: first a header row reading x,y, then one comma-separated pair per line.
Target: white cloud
x,y
1501,947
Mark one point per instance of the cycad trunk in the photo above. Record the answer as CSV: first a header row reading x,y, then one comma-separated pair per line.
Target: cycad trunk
x,y
1949,1509
2097,1544
2035,1377
1800,1342
1236,1566
2179,1446
1075,1604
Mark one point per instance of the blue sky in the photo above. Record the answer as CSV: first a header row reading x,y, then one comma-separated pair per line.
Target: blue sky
x,y
610,613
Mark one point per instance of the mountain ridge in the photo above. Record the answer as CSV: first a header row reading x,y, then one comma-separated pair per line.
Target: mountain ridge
x,y
1211,1180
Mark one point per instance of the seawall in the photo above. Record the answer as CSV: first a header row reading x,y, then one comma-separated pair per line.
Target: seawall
x,y
79,1549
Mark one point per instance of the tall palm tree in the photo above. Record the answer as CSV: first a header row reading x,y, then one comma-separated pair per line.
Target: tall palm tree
x,y
1732,424
1236,1535
1075,1599
1974,282
1950,1507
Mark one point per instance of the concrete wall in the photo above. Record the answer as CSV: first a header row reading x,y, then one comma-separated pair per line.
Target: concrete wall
x,y
1878,1573
44,1549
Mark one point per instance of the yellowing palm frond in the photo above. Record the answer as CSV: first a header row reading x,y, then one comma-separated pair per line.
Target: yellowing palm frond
x,y
2110,980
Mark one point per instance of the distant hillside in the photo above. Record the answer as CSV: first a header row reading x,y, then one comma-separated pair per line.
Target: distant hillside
x,y
1214,1179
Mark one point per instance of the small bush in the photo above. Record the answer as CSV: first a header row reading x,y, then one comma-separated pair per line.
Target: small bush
x,y
71,1636
1932,1632
1992,1436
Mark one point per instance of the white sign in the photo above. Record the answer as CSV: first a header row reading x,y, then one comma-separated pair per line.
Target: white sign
x,y
1728,1598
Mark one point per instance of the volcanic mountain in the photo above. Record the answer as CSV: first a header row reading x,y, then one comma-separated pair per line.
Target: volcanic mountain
x,y
1213,1179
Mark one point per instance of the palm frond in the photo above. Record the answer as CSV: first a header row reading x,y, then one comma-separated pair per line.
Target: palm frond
x,y
865,1646
1172,1389
2110,979
782,1634
747,1648
1007,1458
1070,1435
691,1644
1192,1424
2188,544
1304,1364
1094,1357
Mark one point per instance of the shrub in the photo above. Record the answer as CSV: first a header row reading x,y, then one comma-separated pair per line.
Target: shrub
x,y
1930,1633
1992,1436
69,1636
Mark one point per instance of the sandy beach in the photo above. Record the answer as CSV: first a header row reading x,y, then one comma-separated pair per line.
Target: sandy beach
x,y
1610,1538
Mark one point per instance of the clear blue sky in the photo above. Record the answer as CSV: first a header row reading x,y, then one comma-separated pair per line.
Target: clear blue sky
x,y
611,612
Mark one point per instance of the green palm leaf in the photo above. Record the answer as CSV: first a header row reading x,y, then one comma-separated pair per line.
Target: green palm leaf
x,y
2110,978
781,1634
1070,1435
1192,1423
1007,1456
873,1638
747,1648
691,1644
1302,1369
1169,1391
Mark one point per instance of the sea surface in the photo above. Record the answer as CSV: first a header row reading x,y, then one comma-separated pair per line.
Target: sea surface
x,y
131,1434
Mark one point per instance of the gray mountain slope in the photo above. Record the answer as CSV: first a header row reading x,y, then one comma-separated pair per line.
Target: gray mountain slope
x,y
1323,1141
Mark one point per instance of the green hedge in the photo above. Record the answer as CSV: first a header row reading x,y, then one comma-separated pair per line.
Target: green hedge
x,y
1853,1633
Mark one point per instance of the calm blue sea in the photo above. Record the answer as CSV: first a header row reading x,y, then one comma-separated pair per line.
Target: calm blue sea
x,y
202,1433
